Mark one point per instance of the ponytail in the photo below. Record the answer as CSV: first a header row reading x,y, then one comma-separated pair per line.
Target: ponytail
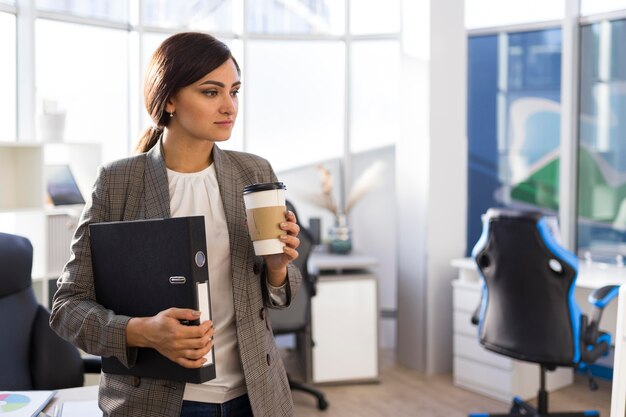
x,y
148,139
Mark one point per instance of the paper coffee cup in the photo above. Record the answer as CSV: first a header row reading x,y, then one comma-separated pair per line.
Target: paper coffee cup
x,y
265,211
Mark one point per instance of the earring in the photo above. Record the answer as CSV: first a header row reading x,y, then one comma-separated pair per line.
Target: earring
x,y
171,114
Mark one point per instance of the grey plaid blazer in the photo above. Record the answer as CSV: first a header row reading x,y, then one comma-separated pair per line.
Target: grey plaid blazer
x,y
137,188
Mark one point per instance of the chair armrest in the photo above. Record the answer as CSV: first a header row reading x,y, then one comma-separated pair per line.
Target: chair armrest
x,y
600,297
313,277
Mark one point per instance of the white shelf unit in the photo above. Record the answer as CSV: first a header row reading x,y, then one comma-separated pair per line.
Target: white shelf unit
x,y
479,370
24,207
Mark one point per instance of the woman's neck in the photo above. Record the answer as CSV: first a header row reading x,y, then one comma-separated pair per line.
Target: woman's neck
x,y
186,155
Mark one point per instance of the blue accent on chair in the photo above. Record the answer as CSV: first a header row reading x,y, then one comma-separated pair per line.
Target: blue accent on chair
x,y
572,260
528,309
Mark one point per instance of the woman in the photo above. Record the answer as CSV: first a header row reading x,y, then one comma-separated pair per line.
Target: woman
x,y
190,91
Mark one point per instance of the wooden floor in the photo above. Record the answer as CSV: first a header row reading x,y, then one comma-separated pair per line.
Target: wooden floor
x,y
404,393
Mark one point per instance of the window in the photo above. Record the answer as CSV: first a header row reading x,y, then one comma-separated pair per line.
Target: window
x,y
295,101
88,84
513,123
280,16
373,16
602,148
375,94
588,7
490,13
112,10
211,15
8,79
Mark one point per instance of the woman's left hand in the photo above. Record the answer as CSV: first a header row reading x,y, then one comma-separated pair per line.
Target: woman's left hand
x,y
277,263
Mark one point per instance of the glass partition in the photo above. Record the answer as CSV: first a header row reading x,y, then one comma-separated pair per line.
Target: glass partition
x,y
602,144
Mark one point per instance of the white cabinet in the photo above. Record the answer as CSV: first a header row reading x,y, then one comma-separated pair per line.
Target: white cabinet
x,y
21,176
479,370
344,320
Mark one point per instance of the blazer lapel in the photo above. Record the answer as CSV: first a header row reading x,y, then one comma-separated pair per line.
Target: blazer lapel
x,y
156,186
231,188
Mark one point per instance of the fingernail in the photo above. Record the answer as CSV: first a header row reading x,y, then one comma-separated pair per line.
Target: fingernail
x,y
196,313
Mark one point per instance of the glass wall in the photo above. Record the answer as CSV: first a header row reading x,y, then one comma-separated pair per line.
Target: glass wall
x,y
297,93
602,143
513,123
8,78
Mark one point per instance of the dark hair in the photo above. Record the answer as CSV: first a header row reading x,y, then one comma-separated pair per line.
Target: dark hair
x,y
181,60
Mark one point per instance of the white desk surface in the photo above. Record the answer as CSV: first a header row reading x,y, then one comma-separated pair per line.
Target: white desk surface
x,y
88,393
322,260
590,276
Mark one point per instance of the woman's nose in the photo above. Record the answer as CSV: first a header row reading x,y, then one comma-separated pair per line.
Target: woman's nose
x,y
229,106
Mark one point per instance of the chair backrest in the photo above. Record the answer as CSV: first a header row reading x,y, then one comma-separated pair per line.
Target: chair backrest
x,y
32,356
528,308
297,316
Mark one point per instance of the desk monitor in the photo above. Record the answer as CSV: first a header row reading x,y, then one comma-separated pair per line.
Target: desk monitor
x,y
61,186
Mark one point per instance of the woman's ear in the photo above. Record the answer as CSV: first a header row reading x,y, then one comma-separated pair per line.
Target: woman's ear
x,y
170,107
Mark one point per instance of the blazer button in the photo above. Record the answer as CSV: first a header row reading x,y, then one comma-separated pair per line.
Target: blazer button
x,y
262,313
136,381
268,359
256,269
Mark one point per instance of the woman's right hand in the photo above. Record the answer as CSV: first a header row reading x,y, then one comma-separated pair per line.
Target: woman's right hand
x,y
185,345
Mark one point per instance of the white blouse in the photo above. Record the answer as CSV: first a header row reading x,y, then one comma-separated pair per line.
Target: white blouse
x,y
193,194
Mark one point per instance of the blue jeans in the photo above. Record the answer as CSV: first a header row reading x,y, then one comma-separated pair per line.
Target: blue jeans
x,y
237,407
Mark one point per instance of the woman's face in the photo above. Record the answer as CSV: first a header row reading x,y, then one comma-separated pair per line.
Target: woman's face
x,y
206,110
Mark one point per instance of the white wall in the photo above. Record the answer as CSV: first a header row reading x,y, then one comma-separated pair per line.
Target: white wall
x,y
431,163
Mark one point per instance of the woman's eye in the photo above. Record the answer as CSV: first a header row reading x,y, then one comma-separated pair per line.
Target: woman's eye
x,y
234,93
210,93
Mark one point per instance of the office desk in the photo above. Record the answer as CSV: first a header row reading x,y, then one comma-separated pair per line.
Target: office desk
x,y
88,393
508,377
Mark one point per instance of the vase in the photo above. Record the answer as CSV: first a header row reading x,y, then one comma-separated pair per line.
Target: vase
x,y
340,236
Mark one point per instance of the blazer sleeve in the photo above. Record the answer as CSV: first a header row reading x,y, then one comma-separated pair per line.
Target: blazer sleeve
x,y
294,277
76,316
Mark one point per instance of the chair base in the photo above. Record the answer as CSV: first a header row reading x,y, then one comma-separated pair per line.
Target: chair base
x,y
322,404
520,407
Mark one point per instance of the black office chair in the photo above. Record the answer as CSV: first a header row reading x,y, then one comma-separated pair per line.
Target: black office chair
x,y
296,319
32,356
528,310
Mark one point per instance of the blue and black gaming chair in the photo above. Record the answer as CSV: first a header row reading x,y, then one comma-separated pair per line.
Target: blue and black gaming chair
x,y
528,310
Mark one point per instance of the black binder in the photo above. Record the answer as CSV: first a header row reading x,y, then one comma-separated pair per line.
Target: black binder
x,y
145,266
